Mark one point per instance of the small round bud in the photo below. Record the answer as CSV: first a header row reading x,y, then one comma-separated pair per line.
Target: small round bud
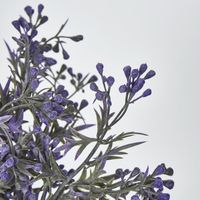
x,y
146,93
99,68
122,88
150,74
142,69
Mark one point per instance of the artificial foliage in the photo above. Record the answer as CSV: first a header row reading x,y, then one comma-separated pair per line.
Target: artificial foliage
x,y
30,148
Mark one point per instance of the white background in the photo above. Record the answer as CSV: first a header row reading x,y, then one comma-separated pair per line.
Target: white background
x,y
165,35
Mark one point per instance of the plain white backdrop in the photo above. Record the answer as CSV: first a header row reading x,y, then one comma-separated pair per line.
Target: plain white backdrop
x,y
163,34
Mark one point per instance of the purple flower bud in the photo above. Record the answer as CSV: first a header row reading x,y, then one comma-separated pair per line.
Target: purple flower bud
x,y
50,61
55,142
34,72
5,176
160,169
76,38
146,93
83,104
127,71
58,98
163,196
92,79
16,24
158,183
150,74
29,11
34,84
9,162
60,88
24,24
57,155
110,80
37,129
37,167
169,171
122,88
134,73
79,76
99,68
52,115
31,196
65,54
135,197
119,173
33,33
138,85
61,166
64,93
169,184
126,172
142,69
40,8
70,71
47,105
135,172
43,20
99,95
94,87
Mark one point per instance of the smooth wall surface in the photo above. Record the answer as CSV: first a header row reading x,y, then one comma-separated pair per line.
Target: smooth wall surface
x,y
165,35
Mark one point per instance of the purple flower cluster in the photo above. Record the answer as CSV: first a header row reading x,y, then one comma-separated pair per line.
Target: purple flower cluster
x,y
134,81
155,184
103,95
31,153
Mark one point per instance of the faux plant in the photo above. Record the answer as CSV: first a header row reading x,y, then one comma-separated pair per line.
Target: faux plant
x,y
30,149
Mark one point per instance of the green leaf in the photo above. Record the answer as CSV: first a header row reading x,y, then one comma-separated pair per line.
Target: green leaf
x,y
80,150
54,166
99,123
83,174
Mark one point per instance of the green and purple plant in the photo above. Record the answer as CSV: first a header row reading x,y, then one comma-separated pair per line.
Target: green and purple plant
x,y
29,155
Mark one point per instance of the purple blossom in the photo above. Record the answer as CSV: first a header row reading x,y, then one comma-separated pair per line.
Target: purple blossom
x,y
83,104
169,184
34,84
134,73
123,88
158,183
4,150
9,162
100,95
58,98
146,93
43,20
34,72
37,167
40,9
142,69
16,24
160,169
127,71
65,54
94,87
52,115
99,68
150,74
110,80
4,176
24,24
135,197
163,196
29,10
50,61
